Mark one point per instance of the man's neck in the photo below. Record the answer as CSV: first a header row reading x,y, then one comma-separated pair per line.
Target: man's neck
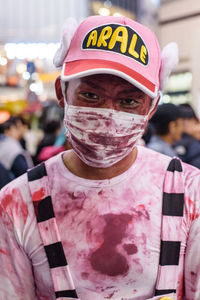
x,y
80,169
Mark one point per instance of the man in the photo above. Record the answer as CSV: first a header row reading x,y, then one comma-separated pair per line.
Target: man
x,y
12,155
168,126
106,219
22,128
188,148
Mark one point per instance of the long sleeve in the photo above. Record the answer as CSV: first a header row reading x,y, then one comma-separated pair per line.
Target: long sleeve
x,y
192,262
24,272
16,279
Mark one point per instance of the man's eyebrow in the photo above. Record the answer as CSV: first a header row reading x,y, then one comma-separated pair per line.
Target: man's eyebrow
x,y
92,84
131,91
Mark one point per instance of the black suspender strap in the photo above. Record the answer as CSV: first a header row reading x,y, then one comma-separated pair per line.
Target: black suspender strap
x,y
171,227
61,276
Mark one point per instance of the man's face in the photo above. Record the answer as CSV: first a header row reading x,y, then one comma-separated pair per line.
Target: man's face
x,y
196,131
107,91
177,129
12,132
192,127
22,129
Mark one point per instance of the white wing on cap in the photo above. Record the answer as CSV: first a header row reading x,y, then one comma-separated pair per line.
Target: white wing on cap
x,y
69,29
169,60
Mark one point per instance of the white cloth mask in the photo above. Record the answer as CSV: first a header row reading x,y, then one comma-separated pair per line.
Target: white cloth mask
x,y
102,137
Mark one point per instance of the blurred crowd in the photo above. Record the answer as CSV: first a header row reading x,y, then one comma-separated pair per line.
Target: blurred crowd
x,y
173,130
24,144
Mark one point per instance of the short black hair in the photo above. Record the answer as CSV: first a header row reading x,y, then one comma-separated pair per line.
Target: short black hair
x,y
165,114
21,120
187,111
8,124
50,126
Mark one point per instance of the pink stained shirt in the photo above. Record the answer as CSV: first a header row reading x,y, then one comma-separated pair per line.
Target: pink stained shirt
x,y
110,230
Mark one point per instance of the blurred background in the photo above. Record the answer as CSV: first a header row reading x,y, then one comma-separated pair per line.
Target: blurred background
x,y
30,33
29,36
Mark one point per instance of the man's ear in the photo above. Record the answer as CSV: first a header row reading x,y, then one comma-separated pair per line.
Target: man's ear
x,y
59,93
154,109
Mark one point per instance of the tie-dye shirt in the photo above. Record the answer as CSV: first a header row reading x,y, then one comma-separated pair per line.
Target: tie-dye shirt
x,y
110,231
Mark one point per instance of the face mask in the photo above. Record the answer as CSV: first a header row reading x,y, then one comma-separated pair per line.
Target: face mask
x,y
102,137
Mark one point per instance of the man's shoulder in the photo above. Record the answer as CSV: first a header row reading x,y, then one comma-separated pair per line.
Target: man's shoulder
x,y
10,142
155,140
55,159
191,171
19,182
155,160
150,155
158,144
15,194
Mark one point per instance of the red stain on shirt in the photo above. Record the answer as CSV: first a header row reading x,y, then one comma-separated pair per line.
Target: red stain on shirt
x,y
180,287
6,201
21,206
142,211
3,252
38,195
15,200
24,210
193,213
107,260
130,249
110,296
193,275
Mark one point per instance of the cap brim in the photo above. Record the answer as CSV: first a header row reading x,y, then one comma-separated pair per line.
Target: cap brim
x,y
82,68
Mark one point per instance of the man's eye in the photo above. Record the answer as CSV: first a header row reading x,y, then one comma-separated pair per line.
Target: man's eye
x,y
89,96
130,102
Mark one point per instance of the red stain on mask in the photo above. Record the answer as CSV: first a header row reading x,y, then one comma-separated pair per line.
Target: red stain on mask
x,y
97,136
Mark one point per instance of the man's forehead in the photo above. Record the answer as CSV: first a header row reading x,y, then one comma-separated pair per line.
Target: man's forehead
x,y
99,80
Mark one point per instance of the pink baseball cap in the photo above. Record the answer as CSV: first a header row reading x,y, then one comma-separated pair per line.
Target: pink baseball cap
x,y
118,46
